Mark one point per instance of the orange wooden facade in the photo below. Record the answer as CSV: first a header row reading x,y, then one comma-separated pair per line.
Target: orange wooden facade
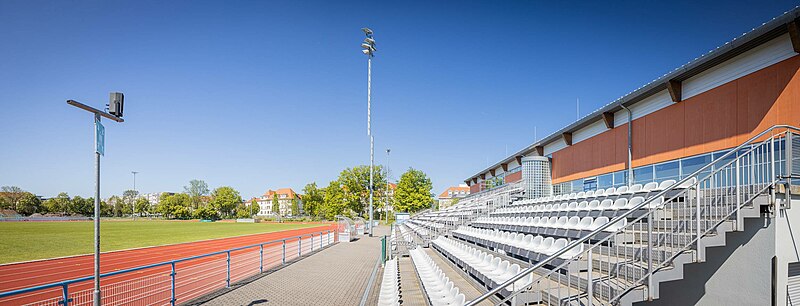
x,y
717,119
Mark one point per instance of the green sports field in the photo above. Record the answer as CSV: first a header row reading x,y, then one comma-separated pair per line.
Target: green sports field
x,y
21,241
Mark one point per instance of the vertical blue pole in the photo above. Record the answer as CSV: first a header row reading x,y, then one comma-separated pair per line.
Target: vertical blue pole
x,y
261,258
172,275
312,242
65,295
320,240
299,246
228,278
283,254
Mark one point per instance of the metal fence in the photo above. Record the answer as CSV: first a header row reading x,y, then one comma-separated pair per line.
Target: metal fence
x,y
170,282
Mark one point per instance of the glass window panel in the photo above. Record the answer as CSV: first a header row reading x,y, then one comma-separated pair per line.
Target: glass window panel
x,y
692,164
605,181
666,171
589,184
643,175
620,178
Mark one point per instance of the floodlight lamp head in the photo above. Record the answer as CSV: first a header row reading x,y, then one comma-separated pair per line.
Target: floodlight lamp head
x,y
367,31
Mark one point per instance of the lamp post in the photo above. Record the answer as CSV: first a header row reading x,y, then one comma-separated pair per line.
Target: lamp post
x,y
134,181
115,114
386,207
369,50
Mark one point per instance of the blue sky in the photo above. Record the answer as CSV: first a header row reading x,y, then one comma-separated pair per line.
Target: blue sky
x,y
269,94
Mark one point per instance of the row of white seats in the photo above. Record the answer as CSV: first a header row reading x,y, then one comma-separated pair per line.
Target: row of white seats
x,y
390,285
438,287
491,267
406,234
567,223
607,204
612,191
421,231
538,244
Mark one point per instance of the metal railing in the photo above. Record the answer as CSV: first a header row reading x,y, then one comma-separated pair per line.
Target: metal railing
x,y
626,258
168,282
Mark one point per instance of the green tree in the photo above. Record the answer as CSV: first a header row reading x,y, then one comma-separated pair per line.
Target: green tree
x,y
313,198
295,207
105,209
276,206
454,201
356,186
225,199
11,195
413,191
175,206
142,206
195,190
334,202
206,213
29,204
59,204
82,206
244,210
129,198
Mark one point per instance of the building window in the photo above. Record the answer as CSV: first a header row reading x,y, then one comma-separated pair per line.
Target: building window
x,y
605,181
621,178
667,171
643,175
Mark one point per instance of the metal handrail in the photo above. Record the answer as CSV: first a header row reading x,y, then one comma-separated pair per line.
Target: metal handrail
x,y
150,266
615,220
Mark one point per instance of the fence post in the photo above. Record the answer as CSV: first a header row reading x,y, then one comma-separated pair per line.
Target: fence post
x,y
320,241
260,258
65,295
649,256
589,280
228,277
739,219
172,285
299,246
789,169
312,242
283,254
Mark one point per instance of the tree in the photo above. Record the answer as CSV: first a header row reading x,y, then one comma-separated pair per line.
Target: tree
x,y
334,202
454,201
29,204
355,182
276,206
206,213
59,204
225,199
105,209
175,206
195,190
313,198
413,192
12,195
247,211
129,197
142,206
295,207
82,206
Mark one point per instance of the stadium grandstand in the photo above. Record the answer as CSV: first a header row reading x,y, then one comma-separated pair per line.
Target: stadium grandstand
x,y
678,193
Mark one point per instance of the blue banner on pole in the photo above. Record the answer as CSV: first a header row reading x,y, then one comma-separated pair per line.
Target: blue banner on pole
x,y
100,137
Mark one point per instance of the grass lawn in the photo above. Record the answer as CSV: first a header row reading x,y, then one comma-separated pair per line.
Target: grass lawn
x,y
20,241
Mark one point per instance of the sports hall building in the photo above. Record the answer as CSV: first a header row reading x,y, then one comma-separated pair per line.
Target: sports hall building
x,y
671,126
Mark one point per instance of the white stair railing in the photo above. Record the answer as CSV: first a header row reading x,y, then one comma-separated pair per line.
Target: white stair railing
x,y
624,254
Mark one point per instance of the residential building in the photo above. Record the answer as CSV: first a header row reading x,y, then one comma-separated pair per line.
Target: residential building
x,y
285,197
451,193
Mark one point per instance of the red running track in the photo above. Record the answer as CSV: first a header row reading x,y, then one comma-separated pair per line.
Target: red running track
x,y
152,286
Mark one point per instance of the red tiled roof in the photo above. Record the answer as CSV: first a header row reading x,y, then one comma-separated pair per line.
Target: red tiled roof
x,y
444,194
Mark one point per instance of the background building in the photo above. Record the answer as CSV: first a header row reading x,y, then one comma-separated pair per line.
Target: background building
x,y
285,197
448,195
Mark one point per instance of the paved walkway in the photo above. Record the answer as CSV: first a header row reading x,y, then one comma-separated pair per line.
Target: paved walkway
x,y
337,275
